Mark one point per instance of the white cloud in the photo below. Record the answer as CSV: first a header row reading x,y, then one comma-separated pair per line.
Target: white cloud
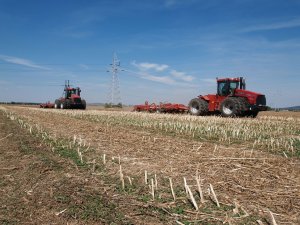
x,y
149,66
83,66
274,26
146,76
173,78
22,62
181,76
160,79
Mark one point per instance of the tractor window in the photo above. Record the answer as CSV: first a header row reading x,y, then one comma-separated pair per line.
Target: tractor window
x,y
226,88
234,85
73,91
222,88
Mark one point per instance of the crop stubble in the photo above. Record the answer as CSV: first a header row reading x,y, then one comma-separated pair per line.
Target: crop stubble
x,y
256,178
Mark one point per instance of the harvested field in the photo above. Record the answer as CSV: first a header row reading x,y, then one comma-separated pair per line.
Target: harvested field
x,y
251,165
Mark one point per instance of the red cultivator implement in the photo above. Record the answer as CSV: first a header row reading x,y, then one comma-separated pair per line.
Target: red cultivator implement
x,y
161,108
172,108
47,105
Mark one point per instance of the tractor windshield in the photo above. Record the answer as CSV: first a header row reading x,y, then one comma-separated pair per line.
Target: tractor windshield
x,y
227,87
70,92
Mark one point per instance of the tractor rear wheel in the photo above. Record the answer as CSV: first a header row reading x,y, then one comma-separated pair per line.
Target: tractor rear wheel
x,y
198,107
231,107
243,106
67,104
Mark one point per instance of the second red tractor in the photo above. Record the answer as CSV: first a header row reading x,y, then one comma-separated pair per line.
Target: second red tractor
x,y
71,99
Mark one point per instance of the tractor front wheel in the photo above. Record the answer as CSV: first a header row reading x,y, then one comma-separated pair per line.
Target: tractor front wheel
x,y
230,107
83,102
198,107
57,104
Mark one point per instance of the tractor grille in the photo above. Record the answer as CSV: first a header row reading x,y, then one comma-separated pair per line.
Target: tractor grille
x,y
261,100
77,100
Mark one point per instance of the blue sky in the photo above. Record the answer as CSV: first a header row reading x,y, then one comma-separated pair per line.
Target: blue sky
x,y
170,50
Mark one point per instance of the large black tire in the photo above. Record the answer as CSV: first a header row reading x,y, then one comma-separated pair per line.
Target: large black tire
x,y
252,114
244,106
67,104
231,107
63,105
57,104
198,107
83,102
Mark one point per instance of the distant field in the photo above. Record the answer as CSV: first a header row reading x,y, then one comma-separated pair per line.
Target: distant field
x,y
126,108
251,165
267,113
281,113
130,108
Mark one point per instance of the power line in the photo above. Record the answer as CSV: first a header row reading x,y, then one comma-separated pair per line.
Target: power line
x,y
50,71
53,64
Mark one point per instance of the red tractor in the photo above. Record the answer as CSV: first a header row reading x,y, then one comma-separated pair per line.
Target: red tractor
x,y
71,99
232,100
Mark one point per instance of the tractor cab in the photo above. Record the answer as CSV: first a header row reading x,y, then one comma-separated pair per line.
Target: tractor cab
x,y
72,92
227,86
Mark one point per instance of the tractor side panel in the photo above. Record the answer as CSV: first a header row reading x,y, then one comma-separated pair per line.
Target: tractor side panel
x,y
213,102
249,95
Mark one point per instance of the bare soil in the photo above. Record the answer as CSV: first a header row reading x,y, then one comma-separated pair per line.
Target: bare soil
x,y
256,180
38,186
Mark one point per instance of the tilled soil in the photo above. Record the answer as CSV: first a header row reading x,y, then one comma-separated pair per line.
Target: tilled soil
x,y
38,186
259,181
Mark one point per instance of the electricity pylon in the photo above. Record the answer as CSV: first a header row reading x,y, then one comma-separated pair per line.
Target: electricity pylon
x,y
115,94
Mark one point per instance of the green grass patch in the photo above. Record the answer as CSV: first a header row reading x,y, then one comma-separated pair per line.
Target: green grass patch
x,y
25,149
297,148
179,209
62,198
70,154
96,208
51,163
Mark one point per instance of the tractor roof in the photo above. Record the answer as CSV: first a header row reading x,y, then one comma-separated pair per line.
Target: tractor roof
x,y
237,79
